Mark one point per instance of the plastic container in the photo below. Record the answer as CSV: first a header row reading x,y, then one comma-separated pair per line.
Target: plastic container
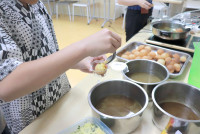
x,y
81,123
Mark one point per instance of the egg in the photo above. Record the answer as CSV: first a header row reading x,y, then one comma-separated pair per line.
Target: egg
x,y
125,56
158,57
170,68
152,54
132,56
133,51
138,57
137,53
177,67
127,53
179,30
164,55
161,61
100,68
145,57
177,60
168,60
140,47
148,48
160,51
172,62
143,52
176,56
183,58
149,58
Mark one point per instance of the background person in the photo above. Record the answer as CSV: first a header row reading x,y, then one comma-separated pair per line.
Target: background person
x,y
137,15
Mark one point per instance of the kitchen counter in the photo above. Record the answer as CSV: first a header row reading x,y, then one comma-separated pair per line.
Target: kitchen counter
x,y
170,1
74,106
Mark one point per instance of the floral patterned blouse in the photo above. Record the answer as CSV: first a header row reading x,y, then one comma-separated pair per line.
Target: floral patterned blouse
x,y
27,35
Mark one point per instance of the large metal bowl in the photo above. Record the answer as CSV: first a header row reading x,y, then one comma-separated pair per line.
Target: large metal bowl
x,y
119,125
159,30
146,66
181,93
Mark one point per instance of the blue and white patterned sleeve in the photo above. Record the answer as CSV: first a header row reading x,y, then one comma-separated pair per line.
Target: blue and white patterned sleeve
x,y
10,53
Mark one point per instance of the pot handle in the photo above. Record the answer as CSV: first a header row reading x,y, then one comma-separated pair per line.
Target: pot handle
x,y
163,33
126,70
188,29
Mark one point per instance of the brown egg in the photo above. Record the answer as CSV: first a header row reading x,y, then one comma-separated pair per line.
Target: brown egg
x,y
172,62
150,58
158,57
132,56
161,61
179,30
148,48
140,47
168,60
134,50
183,59
170,54
164,55
170,68
138,57
176,56
160,51
152,54
145,57
125,56
177,60
177,67
137,53
143,52
127,53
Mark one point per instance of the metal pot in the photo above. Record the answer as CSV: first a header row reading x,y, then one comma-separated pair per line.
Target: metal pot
x,y
159,30
146,66
119,125
180,93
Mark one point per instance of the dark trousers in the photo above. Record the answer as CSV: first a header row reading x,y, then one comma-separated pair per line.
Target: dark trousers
x,y
6,130
135,21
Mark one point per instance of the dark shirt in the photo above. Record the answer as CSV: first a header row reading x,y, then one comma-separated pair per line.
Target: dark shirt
x,y
137,7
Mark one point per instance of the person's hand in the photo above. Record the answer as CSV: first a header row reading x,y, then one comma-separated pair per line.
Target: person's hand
x,y
102,42
87,65
145,4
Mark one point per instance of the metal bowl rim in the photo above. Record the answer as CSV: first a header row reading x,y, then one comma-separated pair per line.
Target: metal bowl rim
x,y
115,117
166,78
168,114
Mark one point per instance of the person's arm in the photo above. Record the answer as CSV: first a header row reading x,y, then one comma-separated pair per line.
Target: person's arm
x,y
30,76
142,3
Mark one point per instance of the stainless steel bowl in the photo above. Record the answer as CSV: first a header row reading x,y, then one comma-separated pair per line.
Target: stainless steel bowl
x,y
146,66
158,29
119,125
180,93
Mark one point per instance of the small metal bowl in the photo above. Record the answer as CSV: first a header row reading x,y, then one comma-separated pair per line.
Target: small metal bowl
x,y
146,66
119,125
180,93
